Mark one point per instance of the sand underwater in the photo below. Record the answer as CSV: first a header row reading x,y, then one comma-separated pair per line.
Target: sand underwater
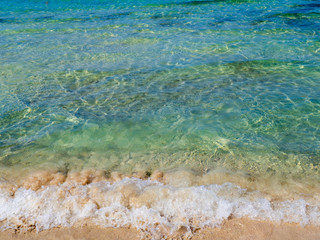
x,y
160,119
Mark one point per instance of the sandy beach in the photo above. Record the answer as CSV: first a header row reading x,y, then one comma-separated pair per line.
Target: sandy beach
x,y
233,229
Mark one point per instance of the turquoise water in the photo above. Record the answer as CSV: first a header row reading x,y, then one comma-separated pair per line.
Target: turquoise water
x,y
164,116
144,85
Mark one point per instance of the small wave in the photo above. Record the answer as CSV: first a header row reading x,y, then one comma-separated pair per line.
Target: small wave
x,y
141,202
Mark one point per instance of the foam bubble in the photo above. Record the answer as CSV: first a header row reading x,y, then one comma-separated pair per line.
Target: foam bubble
x,y
151,206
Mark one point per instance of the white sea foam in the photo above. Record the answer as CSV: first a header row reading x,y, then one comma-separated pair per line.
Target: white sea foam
x,y
151,206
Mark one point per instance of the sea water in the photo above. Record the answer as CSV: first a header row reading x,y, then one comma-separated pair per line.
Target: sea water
x,y
174,113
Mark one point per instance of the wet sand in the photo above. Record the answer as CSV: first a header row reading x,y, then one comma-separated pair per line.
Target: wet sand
x,y
232,229
81,199
246,229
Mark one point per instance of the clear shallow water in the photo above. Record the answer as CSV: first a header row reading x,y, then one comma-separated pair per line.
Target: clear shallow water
x,y
232,83
138,86
160,84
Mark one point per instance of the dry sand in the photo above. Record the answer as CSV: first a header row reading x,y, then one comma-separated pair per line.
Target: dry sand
x,y
240,229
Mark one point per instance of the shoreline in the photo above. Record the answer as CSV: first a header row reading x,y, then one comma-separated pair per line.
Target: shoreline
x,y
276,186
232,229
160,205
